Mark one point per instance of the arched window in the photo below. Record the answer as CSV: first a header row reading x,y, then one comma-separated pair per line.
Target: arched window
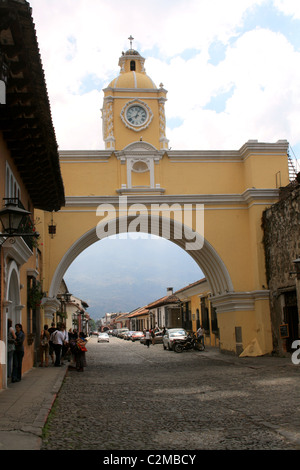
x,y
132,65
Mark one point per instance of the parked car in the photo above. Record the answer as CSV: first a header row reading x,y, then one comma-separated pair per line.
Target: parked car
x,y
127,335
103,338
171,335
158,338
137,335
122,331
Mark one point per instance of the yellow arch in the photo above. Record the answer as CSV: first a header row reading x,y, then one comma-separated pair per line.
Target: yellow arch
x,y
206,257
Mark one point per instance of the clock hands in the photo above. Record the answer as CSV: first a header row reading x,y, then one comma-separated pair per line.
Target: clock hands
x,y
136,115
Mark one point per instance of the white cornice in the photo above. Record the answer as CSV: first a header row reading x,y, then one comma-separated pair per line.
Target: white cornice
x,y
237,301
140,191
250,148
250,196
131,90
67,156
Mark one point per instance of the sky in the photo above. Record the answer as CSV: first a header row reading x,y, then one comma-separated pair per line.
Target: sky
x,y
232,71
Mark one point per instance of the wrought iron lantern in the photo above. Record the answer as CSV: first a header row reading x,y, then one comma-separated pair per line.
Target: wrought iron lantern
x,y
11,217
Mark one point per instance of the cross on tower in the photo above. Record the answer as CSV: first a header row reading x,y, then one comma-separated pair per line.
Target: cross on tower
x,y
131,39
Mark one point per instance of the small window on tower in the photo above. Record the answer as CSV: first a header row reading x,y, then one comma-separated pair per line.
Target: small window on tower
x,y
132,65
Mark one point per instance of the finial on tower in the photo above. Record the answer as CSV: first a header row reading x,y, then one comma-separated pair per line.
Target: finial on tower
x,y
131,39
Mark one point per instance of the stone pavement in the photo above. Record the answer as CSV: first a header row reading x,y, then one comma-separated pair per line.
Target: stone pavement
x,y
25,405
134,397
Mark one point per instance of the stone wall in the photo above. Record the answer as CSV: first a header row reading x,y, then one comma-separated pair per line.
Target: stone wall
x,y
281,225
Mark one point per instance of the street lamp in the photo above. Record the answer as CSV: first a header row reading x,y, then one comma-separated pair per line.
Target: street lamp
x,y
64,300
11,217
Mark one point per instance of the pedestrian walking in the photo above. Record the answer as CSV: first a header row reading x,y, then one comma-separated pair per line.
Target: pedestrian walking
x,y
57,339
65,345
18,354
44,346
11,337
148,338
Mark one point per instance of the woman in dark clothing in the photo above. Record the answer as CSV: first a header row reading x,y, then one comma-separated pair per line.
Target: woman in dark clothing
x,y
18,354
79,353
10,347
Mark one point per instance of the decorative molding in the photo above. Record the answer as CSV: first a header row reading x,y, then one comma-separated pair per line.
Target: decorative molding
x,y
131,90
50,306
238,301
85,156
32,273
140,191
18,251
147,109
250,148
248,197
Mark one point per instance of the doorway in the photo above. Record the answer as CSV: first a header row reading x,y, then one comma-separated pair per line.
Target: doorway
x,y
291,318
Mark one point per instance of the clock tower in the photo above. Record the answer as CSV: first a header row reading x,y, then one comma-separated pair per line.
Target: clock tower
x,y
133,108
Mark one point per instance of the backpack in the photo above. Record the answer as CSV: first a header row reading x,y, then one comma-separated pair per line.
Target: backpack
x,y
44,340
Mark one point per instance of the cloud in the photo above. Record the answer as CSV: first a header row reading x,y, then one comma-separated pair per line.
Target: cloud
x,y
289,7
232,71
79,41
264,102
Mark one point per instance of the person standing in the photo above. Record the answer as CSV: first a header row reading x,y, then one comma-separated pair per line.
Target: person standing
x,y
153,335
51,348
18,354
57,339
11,337
65,345
200,334
80,358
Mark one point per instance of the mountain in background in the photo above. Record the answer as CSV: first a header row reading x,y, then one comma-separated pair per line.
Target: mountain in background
x,y
119,275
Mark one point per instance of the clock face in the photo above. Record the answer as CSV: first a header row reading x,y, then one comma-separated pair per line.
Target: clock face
x,y
136,115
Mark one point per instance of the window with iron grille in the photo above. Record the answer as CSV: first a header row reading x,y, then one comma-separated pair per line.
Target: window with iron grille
x,y
205,315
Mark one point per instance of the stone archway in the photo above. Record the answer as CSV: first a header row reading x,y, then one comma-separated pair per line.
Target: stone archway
x,y
206,256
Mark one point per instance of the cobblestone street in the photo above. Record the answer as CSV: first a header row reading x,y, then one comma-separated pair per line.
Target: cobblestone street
x,y
133,397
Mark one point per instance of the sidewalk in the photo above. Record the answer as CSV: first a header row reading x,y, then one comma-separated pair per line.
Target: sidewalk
x,y
25,405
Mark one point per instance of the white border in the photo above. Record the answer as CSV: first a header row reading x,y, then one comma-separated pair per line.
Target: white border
x,y
147,109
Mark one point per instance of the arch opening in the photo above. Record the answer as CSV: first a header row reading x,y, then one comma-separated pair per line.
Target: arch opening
x,y
205,256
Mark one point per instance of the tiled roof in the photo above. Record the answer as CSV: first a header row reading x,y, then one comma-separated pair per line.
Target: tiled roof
x,y
201,281
139,312
168,299
25,119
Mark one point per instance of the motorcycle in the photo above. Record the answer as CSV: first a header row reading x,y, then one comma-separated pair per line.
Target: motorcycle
x,y
192,342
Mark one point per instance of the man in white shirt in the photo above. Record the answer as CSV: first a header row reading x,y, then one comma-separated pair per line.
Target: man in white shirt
x,y
200,334
57,339
148,338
